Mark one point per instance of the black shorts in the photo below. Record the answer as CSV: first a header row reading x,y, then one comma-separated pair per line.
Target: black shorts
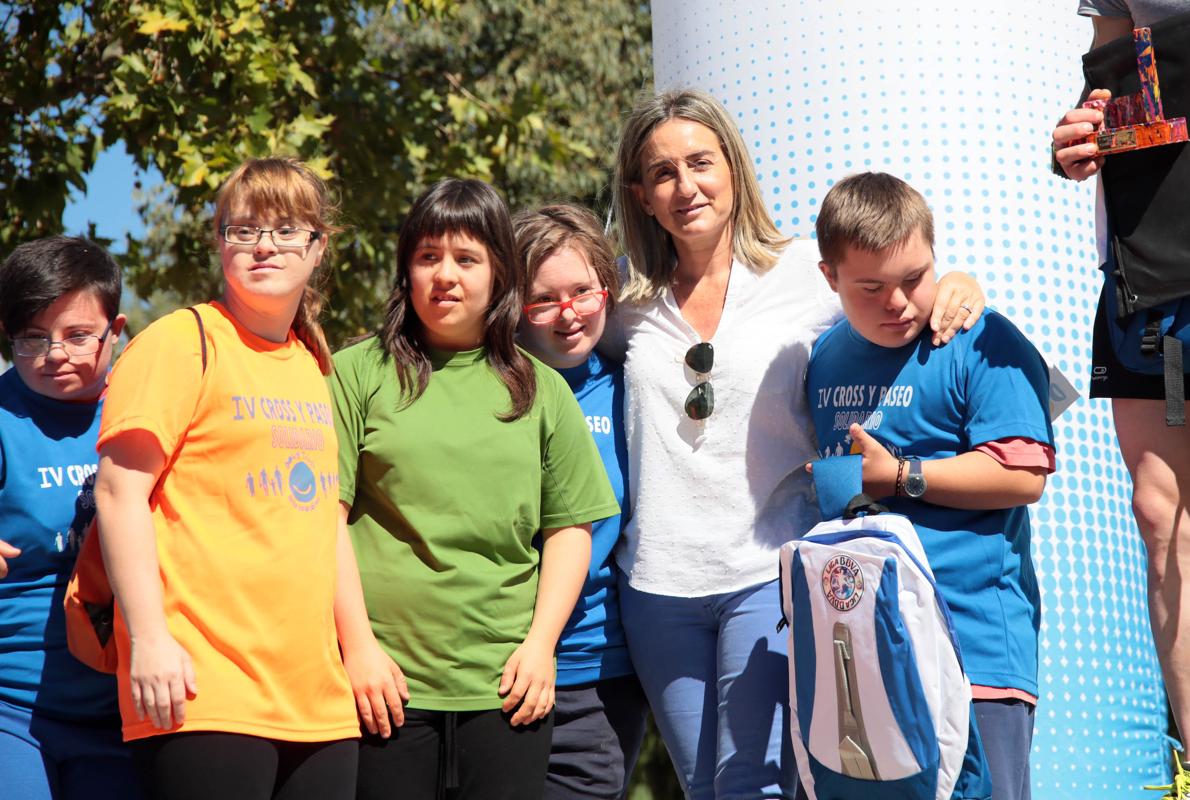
x,y
1110,378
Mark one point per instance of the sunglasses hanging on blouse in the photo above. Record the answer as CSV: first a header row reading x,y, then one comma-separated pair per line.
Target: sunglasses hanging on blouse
x,y
701,400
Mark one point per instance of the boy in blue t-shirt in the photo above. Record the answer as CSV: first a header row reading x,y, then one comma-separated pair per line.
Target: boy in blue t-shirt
x,y
956,438
59,726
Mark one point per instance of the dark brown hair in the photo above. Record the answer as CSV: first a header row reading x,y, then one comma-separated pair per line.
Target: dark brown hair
x,y
286,188
541,233
472,207
39,272
870,211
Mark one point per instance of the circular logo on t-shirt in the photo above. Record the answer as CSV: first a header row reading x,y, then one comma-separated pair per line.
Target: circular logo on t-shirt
x,y
842,582
303,486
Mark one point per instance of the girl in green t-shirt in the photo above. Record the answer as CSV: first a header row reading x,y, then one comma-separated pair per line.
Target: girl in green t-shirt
x,y
456,449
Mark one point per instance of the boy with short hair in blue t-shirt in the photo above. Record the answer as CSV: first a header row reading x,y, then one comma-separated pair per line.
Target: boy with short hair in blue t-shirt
x,y
956,438
59,726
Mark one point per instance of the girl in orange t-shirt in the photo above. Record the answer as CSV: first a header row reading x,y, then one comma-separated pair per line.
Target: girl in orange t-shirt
x,y
217,501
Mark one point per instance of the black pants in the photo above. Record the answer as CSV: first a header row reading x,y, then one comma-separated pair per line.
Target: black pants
x,y
456,755
233,766
598,729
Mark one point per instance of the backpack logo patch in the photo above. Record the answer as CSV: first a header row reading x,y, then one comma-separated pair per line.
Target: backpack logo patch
x,y
842,582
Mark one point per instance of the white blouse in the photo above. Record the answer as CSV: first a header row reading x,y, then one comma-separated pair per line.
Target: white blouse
x,y
711,502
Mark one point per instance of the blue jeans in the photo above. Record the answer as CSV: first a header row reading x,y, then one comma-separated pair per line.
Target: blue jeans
x,y
43,758
716,674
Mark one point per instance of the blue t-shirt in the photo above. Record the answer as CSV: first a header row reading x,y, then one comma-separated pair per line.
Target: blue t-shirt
x,y
927,403
592,646
47,468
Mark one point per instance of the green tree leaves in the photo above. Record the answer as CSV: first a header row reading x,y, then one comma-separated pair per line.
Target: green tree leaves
x,y
383,97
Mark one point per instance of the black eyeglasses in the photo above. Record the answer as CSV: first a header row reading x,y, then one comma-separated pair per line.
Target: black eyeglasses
x,y
701,400
38,346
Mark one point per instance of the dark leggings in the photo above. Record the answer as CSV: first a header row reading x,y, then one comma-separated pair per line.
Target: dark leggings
x,y
456,755
233,766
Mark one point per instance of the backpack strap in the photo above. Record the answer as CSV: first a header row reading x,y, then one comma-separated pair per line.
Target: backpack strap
x,y
1153,343
202,335
1175,389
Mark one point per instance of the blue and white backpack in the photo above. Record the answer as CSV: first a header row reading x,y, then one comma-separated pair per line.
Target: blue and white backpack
x,y
881,706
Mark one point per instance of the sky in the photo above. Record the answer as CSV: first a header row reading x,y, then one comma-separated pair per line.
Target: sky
x,y
108,201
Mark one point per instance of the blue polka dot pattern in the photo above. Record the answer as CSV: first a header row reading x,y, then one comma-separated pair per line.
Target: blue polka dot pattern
x,y
959,100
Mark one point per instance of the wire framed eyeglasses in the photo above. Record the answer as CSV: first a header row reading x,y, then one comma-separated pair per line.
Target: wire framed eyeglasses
x,y
285,236
83,344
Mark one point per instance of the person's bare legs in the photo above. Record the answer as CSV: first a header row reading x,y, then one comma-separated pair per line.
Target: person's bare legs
x,y
1158,457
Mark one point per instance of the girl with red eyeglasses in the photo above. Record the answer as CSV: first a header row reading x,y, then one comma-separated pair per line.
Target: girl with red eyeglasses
x,y
572,285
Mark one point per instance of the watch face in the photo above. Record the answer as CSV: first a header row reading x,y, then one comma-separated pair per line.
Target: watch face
x,y
915,485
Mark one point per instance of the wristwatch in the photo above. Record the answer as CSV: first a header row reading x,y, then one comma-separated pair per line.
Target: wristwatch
x,y
915,481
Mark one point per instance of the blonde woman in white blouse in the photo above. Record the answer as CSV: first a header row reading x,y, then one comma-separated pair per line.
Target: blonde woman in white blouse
x,y
719,314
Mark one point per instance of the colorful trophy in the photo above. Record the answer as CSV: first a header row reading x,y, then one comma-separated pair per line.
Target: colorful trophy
x,y
1137,121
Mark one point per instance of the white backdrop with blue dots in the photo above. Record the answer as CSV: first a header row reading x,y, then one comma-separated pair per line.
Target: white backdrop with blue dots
x,y
959,99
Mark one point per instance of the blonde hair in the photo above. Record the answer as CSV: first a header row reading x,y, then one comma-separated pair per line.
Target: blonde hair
x,y
870,211
545,231
285,187
755,240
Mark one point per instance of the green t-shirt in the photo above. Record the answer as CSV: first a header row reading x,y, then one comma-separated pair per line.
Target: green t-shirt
x,y
445,501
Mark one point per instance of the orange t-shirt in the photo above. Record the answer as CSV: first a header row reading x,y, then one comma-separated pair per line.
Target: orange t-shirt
x,y
245,517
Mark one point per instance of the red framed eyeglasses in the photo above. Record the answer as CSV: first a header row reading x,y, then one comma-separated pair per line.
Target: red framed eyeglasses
x,y
584,305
